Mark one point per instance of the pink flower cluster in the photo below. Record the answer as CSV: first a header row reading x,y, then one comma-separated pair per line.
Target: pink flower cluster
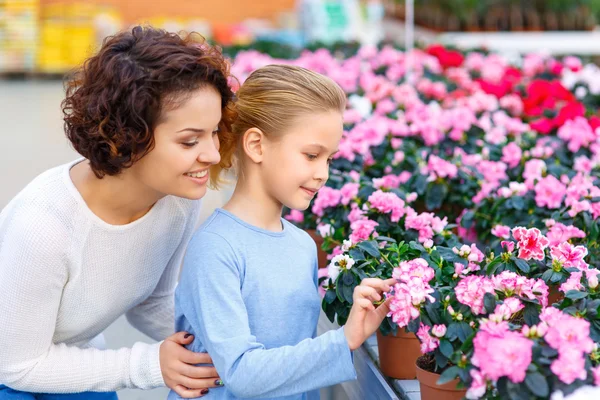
x,y
428,342
559,233
470,291
499,352
362,229
388,203
440,168
427,224
512,284
411,291
326,197
570,336
549,192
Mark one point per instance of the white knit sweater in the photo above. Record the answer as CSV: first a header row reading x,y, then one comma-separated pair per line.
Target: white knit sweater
x,y
66,275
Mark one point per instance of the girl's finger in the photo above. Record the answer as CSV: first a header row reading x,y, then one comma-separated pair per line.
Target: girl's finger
x,y
186,393
367,292
377,284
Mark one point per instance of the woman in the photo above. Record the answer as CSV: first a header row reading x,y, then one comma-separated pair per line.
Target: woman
x,y
103,236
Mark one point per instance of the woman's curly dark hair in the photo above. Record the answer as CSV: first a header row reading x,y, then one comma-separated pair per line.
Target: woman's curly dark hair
x,y
114,101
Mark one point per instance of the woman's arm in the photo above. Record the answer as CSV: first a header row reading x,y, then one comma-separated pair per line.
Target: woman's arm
x,y
210,297
33,275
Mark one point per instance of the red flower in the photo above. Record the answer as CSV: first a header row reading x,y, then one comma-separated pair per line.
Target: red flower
x,y
447,58
594,122
569,111
542,125
531,243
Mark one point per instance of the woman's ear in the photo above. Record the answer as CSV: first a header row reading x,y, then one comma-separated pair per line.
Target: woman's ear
x,y
253,144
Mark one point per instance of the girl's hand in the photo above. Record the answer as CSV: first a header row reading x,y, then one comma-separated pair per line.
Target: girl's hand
x,y
365,318
178,368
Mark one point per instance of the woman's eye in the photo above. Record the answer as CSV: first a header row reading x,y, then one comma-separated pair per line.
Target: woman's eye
x,y
190,144
311,157
329,160
216,131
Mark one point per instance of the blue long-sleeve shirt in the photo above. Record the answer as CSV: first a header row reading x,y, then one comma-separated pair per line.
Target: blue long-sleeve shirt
x,y
250,298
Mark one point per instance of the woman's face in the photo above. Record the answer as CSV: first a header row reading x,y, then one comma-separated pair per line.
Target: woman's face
x,y
186,146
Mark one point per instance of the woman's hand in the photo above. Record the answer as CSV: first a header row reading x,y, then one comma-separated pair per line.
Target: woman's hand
x,y
178,368
365,318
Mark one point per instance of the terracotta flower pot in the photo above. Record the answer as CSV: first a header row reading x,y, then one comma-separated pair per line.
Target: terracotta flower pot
x,y
430,390
554,295
321,255
398,354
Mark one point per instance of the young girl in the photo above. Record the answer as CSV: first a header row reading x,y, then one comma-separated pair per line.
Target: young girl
x,y
248,290
104,235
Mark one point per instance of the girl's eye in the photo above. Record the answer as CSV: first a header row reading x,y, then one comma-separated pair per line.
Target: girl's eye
x,y
190,144
329,160
216,131
311,157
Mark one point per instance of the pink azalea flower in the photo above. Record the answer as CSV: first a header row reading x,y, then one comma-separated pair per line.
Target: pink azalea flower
x,y
596,371
441,168
577,133
499,352
531,243
356,214
569,366
326,197
560,233
388,203
349,191
428,342
569,256
501,231
549,192
512,154
295,216
470,291
362,230
573,283
478,385
534,170
439,330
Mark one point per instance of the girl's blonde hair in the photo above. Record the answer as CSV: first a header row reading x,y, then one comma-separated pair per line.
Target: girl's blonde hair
x,y
275,97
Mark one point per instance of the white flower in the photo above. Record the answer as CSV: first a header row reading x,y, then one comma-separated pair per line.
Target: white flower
x,y
361,104
428,244
347,244
338,263
333,271
584,393
325,230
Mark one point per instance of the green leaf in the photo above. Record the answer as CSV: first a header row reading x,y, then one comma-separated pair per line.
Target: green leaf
x,y
518,202
385,239
347,278
464,331
575,295
370,247
448,375
489,301
435,196
452,331
330,296
446,348
547,275
356,254
538,385
531,314
329,311
467,219
522,265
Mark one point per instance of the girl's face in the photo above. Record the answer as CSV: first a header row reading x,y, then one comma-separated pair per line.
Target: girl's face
x,y
296,164
186,146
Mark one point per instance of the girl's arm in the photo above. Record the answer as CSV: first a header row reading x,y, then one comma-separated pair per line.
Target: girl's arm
x,y
209,295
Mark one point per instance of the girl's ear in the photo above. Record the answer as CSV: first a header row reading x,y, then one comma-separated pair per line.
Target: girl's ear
x,y
253,144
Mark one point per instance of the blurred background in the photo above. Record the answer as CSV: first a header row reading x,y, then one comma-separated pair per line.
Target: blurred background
x,y
41,40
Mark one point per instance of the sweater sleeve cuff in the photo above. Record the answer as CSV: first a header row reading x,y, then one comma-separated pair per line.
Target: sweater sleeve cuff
x,y
145,369
345,355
